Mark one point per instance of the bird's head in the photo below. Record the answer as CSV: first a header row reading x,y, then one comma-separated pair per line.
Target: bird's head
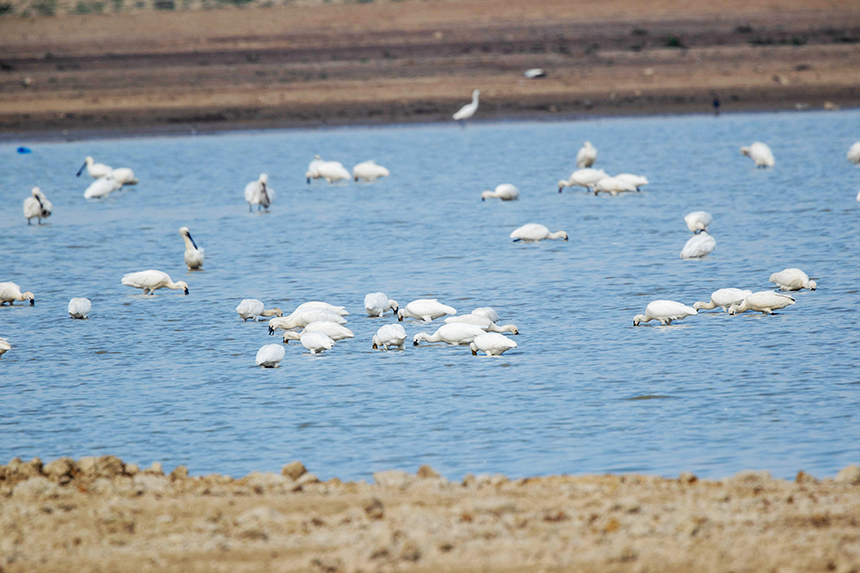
x,y
183,285
638,318
29,296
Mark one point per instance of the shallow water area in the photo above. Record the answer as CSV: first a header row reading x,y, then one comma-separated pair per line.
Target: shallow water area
x,y
171,378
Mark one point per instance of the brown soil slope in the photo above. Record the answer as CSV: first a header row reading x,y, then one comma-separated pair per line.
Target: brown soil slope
x,y
420,61
99,514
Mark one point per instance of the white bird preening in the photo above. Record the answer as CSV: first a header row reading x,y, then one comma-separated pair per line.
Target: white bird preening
x,y
491,344
376,303
425,309
332,330
102,187
316,342
483,323
369,171
456,333
615,185
388,336
302,318
259,193
586,156
10,292
79,307
764,302
467,110
854,153
270,355
792,279
505,192
665,311
698,246
333,171
698,221
534,232
95,170
760,153
723,298
587,178
487,311
254,309
193,254
151,280
4,346
37,205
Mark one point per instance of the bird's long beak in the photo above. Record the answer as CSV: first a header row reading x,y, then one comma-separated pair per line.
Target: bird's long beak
x,y
271,331
186,292
192,242
81,170
32,302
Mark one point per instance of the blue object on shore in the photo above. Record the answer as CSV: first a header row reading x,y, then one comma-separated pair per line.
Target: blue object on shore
x,y
25,150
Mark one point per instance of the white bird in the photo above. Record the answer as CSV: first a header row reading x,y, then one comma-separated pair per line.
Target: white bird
x,y
37,206
792,279
467,110
534,73
482,322
487,311
492,344
101,187
259,193
587,178
193,254
150,281
369,171
665,311
455,333
854,153
333,171
425,309
316,342
330,329
124,175
4,346
698,221
698,246
302,318
339,310
254,309
723,298
312,172
764,302
10,292
376,303
636,180
760,153
79,307
95,170
388,336
270,355
505,192
614,186
534,232
586,156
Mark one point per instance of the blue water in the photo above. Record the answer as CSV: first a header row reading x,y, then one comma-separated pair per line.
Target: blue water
x,y
171,378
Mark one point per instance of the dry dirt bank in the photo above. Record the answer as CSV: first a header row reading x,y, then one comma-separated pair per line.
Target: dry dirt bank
x,y
419,61
99,514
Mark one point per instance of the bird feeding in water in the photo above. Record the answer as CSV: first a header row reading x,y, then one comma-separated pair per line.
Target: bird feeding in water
x,y
152,280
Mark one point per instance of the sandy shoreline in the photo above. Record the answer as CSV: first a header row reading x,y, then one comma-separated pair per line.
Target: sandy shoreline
x,y
102,514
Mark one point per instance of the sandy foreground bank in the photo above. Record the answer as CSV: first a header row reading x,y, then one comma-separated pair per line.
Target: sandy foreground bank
x,y
419,61
99,514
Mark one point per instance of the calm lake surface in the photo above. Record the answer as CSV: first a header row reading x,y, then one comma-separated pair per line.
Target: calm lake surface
x,y
171,378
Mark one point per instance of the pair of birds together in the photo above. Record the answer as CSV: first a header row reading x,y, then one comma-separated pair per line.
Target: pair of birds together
x,y
732,300
107,179
333,171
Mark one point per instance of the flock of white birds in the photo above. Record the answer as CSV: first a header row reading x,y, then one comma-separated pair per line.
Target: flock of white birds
x,y
318,326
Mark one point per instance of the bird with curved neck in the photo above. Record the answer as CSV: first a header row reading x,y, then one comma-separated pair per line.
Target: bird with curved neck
x,y
194,255
10,292
467,110
152,280
723,298
456,333
505,192
254,309
534,232
665,311
764,302
586,156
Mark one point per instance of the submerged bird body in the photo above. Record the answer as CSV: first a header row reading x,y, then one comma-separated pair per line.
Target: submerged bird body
x,y
254,309
792,279
760,153
79,307
194,255
587,178
492,344
376,303
10,292
37,205
316,342
535,232
505,192
388,336
764,302
665,311
482,322
369,171
259,193
698,221
152,280
425,309
723,298
270,355
586,156
456,333
102,187
330,329
95,170
467,110
698,246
